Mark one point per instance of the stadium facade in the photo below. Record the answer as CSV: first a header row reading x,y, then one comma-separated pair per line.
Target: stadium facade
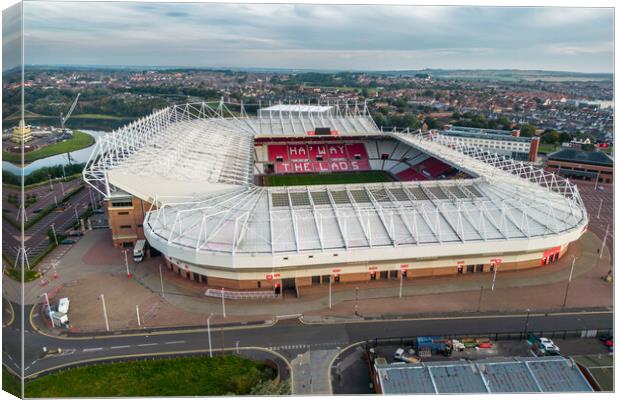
x,y
193,180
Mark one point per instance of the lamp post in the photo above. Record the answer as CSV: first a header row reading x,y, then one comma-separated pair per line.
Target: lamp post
x,y
161,280
480,297
54,233
600,255
356,300
330,292
223,304
209,334
570,278
105,312
400,286
138,314
127,264
527,321
598,215
49,308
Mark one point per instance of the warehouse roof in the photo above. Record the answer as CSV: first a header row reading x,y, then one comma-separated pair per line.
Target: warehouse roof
x,y
501,375
582,157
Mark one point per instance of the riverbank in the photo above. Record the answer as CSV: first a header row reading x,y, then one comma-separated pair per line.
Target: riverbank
x,y
80,140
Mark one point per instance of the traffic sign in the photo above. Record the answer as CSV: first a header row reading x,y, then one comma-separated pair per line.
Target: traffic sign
x,y
460,263
404,267
269,277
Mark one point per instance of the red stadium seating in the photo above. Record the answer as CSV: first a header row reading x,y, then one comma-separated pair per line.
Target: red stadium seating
x,y
410,175
357,149
434,167
276,151
318,157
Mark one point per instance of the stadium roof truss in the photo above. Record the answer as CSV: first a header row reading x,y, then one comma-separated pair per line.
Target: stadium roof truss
x,y
220,210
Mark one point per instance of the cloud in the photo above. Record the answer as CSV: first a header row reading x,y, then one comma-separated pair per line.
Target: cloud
x,y
281,35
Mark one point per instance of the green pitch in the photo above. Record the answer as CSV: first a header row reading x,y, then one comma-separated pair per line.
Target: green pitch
x,y
328,179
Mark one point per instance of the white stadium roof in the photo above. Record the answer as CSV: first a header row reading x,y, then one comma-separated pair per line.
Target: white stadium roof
x,y
195,163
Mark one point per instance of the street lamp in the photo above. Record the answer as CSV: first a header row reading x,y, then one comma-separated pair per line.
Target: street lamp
x,y
223,304
330,292
570,278
209,334
105,312
54,232
527,321
127,264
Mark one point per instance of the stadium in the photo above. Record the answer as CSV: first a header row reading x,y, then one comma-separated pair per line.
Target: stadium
x,y
300,195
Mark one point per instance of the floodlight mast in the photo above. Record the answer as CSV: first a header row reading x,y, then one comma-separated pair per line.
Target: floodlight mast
x,y
64,119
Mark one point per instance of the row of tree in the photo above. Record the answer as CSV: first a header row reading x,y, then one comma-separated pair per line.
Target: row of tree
x,y
42,174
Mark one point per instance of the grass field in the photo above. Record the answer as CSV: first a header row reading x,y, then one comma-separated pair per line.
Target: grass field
x,y
187,376
79,141
327,179
10,383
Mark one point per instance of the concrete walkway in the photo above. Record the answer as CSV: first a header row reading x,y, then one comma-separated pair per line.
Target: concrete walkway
x,y
535,288
189,295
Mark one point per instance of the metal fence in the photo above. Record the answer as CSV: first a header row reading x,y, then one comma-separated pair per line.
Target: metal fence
x,y
552,334
241,295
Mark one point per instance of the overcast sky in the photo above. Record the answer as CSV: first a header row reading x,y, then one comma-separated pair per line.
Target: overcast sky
x,y
318,36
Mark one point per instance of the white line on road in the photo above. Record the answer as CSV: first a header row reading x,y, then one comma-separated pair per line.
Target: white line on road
x,y
178,341
120,347
147,344
93,349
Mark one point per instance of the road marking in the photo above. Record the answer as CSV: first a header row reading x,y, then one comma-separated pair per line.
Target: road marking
x,y
120,347
10,358
175,342
147,344
93,349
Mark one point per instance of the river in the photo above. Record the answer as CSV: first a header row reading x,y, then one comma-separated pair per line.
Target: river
x,y
79,156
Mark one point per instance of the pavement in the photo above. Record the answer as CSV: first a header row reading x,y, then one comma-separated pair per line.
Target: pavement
x,y
290,338
93,264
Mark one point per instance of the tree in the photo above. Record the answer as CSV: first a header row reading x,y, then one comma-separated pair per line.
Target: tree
x,y
551,137
528,130
587,147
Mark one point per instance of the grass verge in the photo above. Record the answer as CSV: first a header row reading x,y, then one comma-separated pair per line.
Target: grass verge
x,y
186,376
327,179
11,383
80,140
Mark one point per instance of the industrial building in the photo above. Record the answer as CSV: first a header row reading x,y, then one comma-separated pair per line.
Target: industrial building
x,y
584,165
496,375
191,180
501,142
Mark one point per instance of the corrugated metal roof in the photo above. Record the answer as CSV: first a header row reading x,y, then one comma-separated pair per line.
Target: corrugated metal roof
x,y
503,375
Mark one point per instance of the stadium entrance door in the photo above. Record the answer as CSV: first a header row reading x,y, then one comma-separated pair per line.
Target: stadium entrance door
x,y
288,287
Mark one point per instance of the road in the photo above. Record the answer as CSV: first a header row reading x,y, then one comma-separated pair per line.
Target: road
x,y
288,337
36,239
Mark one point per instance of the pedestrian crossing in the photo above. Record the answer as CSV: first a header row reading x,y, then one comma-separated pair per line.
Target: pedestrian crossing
x,y
329,345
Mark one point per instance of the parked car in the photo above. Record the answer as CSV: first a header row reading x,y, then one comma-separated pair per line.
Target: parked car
x,y
608,341
406,356
68,241
547,347
76,233
98,211
38,210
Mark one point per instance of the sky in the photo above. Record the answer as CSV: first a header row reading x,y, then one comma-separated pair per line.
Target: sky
x,y
316,36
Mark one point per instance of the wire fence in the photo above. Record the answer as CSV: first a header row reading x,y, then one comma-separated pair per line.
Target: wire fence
x,y
551,334
241,295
